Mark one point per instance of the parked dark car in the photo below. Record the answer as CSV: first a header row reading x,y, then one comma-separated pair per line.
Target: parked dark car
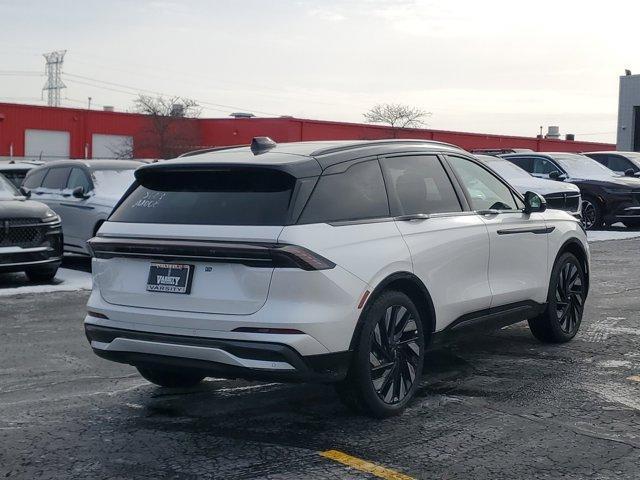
x,y
559,195
607,197
15,171
624,163
30,235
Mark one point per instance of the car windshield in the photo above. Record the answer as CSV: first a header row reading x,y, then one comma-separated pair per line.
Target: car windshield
x,y
507,170
112,183
7,190
581,166
633,156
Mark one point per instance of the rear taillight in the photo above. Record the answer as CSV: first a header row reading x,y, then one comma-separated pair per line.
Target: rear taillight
x,y
264,255
299,257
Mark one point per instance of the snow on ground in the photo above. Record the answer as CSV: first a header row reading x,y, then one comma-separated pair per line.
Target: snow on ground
x,y
66,280
602,235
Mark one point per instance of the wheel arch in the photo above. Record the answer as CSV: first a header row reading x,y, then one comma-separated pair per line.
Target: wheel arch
x,y
409,284
575,246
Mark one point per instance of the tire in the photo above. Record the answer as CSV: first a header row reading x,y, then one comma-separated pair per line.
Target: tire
x,y
169,378
562,317
592,216
384,375
41,274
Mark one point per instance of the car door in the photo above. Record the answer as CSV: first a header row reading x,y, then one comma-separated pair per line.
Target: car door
x,y
518,240
76,211
50,192
449,246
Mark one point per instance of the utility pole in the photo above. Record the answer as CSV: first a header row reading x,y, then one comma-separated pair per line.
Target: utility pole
x,y
89,104
54,77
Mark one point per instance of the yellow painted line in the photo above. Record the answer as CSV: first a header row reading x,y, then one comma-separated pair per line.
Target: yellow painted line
x,y
364,466
634,378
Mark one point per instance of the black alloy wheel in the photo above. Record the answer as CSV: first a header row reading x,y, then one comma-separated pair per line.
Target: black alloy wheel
x,y
591,214
569,298
395,354
388,357
562,316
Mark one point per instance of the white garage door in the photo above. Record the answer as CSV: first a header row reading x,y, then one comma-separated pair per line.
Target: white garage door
x,y
46,144
111,146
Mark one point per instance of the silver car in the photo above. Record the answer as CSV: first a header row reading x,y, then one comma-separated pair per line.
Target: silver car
x,y
82,192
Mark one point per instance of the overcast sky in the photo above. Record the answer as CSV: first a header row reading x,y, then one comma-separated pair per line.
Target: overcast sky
x,y
484,66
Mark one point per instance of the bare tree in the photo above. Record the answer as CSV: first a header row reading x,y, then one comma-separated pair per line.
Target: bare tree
x,y
170,133
396,115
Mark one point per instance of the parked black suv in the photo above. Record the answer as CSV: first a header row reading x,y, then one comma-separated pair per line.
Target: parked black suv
x,y
624,163
607,197
30,235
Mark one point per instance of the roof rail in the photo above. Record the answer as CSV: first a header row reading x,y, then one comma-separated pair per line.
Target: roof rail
x,y
366,143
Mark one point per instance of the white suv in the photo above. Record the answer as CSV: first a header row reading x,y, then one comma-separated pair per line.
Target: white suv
x,y
326,261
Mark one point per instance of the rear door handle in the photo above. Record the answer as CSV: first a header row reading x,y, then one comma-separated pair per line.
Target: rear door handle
x,y
413,216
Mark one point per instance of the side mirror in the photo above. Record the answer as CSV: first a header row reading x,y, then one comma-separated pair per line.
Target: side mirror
x,y
556,175
78,192
534,203
25,193
629,172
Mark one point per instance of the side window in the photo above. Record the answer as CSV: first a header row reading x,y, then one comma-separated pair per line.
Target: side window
x,y
78,178
419,184
522,162
56,179
602,159
485,190
34,178
544,166
619,164
355,194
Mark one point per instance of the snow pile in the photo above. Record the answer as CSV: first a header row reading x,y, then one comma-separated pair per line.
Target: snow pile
x,y
66,281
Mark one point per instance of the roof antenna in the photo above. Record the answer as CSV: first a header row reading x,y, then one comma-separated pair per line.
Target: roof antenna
x,y
261,145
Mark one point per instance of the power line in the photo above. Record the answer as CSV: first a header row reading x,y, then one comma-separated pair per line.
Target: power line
x,y
21,73
226,108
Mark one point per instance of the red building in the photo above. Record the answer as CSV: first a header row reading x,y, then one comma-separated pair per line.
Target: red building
x,y
48,132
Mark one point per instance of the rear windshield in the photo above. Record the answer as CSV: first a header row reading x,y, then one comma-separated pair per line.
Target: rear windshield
x,y
205,197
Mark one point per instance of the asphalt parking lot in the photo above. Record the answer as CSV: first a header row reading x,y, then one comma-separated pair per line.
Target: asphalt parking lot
x,y
501,406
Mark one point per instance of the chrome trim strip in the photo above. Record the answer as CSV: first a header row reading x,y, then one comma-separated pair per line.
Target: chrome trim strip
x,y
534,230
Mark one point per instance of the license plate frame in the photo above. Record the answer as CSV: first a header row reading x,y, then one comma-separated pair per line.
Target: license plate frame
x,y
162,278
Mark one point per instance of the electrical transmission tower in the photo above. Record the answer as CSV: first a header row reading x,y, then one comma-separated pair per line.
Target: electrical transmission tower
x,y
54,77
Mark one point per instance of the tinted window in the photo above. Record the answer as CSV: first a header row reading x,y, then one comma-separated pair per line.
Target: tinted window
x,y
544,166
224,197
56,178
34,178
15,176
356,194
7,190
523,163
419,184
485,190
619,164
78,178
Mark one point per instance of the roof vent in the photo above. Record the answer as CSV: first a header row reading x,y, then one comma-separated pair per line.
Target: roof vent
x,y
242,115
261,145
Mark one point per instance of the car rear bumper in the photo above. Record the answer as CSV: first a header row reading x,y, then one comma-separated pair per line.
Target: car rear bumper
x,y
215,357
